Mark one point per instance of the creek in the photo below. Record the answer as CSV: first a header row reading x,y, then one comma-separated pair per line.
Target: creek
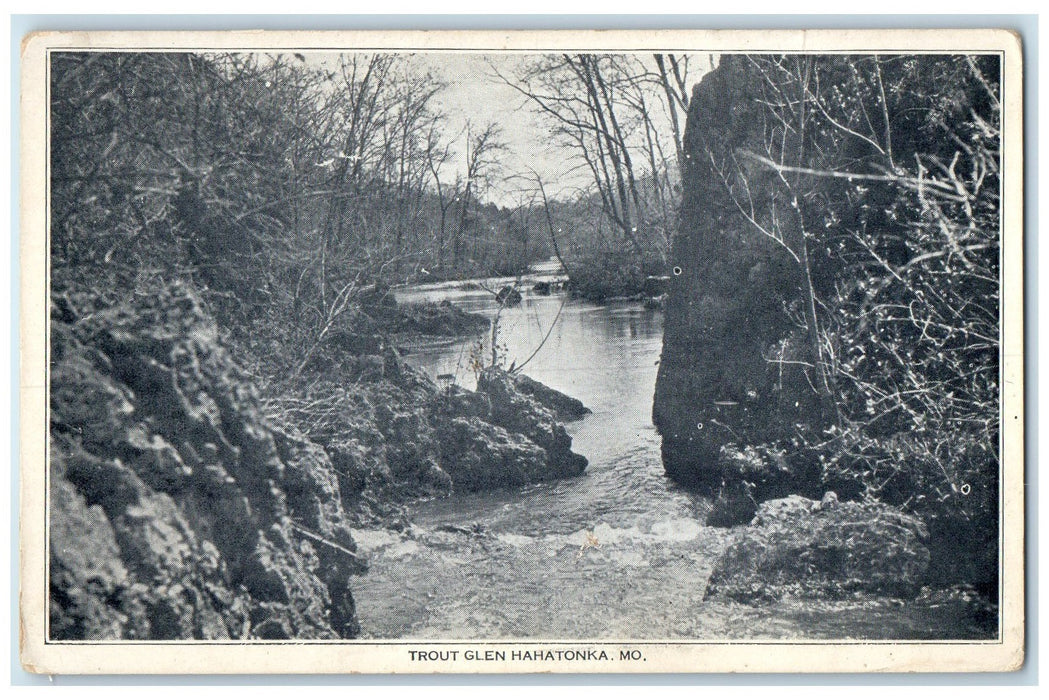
x,y
618,553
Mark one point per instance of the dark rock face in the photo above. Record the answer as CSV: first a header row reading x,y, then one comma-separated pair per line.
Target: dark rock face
x,y
177,510
520,413
796,546
565,407
726,325
501,436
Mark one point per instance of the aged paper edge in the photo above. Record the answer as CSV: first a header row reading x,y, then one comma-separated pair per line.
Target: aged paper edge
x,y
41,656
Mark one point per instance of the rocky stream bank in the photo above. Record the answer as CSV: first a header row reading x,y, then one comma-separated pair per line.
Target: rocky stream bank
x,y
186,503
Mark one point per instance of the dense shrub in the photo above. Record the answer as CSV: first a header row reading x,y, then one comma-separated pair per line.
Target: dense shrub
x,y
909,309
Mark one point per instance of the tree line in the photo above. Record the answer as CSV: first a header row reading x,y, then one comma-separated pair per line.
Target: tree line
x,y
294,182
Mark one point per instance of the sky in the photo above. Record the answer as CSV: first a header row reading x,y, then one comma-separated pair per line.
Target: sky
x,y
474,94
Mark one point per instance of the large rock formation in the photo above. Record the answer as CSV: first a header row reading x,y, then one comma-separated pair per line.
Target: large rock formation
x,y
565,407
478,456
803,283
525,414
176,509
394,435
728,314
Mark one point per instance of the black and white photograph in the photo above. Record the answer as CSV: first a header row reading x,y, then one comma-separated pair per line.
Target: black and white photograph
x,y
557,354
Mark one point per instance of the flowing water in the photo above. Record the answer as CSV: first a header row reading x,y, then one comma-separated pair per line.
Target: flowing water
x,y
618,553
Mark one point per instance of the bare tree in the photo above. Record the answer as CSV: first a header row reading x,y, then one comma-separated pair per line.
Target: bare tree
x,y
604,108
483,148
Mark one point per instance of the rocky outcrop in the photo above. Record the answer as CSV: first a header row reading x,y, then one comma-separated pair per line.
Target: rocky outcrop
x,y
564,407
728,371
518,412
796,546
501,436
479,456
393,435
177,509
508,296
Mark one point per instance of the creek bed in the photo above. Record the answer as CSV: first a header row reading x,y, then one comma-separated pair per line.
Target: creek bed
x,y
618,553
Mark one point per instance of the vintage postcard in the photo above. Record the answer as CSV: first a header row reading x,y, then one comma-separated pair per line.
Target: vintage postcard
x,y
514,352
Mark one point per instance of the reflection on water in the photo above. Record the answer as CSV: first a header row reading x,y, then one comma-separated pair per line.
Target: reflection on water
x,y
618,553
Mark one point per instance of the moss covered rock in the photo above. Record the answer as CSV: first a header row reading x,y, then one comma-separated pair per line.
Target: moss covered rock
x,y
797,546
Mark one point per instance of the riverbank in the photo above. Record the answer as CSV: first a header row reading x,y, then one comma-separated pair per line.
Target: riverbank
x,y
211,507
365,449
597,278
